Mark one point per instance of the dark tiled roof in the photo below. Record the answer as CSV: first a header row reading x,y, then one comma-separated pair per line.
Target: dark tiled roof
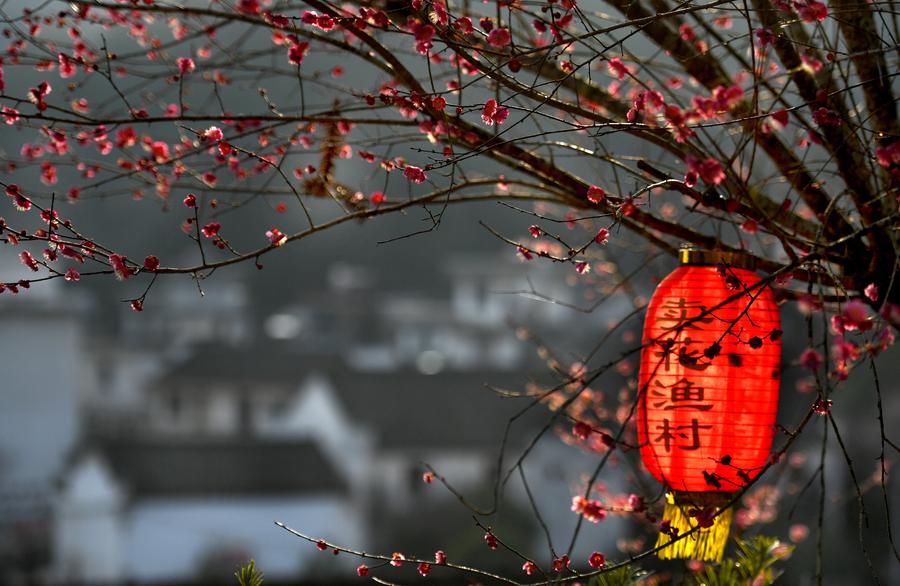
x,y
210,467
406,409
267,362
449,409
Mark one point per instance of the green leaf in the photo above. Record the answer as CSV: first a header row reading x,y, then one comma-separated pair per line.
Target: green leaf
x,y
625,576
248,575
752,565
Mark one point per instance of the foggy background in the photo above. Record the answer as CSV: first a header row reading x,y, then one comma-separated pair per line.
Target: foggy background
x,y
160,447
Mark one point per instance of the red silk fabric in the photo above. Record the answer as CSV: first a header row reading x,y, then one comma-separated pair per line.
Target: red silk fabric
x,y
704,420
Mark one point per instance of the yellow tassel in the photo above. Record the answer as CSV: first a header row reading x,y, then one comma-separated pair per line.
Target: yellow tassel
x,y
707,544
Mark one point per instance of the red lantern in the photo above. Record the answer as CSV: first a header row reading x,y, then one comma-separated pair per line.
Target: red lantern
x,y
708,393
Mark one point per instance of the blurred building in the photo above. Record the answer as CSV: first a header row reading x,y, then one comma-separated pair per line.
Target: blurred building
x,y
182,436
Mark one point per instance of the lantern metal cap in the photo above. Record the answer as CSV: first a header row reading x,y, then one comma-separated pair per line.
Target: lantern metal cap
x,y
698,256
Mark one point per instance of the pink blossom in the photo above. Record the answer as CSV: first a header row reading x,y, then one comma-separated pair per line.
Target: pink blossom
x,y
710,170
844,350
590,509
440,558
213,134
414,174
37,94
160,151
212,229
602,236
297,51
811,359
22,203
617,68
117,262
248,6
10,115
764,37
798,532
151,263
529,567
492,113
811,11
596,194
66,66
581,430
871,292
582,267
29,261
499,38
597,560
185,65
423,34
490,540
561,563
276,236
826,117
750,227
72,275
464,25
888,156
855,316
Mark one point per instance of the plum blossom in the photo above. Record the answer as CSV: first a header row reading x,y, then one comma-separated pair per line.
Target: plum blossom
x,y
811,359
590,509
151,263
811,11
596,194
297,51
617,68
414,174
185,65
66,66
28,260
212,229
37,95
276,236
826,117
871,292
855,316
499,38
22,203
597,560
117,262
493,114
10,115
709,170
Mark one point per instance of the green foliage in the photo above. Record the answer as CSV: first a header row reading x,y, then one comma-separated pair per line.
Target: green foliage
x,y
754,564
248,575
625,576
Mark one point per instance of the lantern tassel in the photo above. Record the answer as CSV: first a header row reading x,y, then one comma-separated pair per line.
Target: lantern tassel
x,y
682,512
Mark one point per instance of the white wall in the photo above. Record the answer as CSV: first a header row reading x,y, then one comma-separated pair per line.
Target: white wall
x,y
88,528
41,364
167,539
